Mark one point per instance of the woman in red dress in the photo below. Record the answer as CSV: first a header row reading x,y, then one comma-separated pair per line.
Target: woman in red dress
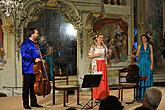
x,y
98,53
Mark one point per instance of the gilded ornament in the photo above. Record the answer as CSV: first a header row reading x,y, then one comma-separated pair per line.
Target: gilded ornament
x,y
51,3
8,26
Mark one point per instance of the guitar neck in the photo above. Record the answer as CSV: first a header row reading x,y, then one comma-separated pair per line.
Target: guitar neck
x,y
49,53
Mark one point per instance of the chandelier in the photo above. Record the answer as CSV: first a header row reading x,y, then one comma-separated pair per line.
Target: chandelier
x,y
7,6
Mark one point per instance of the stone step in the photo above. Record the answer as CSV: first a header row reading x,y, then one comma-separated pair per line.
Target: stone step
x,y
159,78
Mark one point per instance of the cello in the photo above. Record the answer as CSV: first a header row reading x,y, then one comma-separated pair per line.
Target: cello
x,y
133,71
42,85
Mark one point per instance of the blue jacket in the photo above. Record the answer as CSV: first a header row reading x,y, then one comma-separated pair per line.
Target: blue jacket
x,y
29,53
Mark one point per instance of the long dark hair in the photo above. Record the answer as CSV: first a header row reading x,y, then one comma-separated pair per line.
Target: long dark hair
x,y
148,39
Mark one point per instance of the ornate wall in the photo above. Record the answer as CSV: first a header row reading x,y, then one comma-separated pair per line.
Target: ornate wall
x,y
13,29
163,62
81,14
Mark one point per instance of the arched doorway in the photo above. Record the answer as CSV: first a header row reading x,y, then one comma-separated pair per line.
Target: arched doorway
x,y
53,28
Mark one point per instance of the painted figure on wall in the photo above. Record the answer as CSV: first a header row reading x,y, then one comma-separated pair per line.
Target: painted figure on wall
x,y
116,38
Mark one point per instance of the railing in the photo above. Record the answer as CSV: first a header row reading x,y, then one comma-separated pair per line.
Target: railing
x,y
12,90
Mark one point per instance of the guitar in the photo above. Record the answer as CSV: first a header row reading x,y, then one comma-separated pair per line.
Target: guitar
x,y
49,53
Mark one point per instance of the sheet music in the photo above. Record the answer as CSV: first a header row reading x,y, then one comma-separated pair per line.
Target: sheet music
x,y
96,73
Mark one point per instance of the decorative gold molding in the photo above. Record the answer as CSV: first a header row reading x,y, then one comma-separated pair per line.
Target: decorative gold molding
x,y
8,26
69,11
32,8
30,12
51,3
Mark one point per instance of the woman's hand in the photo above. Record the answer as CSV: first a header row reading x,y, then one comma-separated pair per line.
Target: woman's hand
x,y
133,56
37,60
97,55
151,67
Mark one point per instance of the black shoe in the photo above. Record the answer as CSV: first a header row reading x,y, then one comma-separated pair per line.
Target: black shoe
x,y
139,100
36,105
27,107
97,101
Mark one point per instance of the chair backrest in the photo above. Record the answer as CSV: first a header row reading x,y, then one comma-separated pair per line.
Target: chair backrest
x,y
129,75
61,76
122,75
133,74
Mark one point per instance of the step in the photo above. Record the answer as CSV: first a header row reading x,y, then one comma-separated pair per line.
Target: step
x,y
159,77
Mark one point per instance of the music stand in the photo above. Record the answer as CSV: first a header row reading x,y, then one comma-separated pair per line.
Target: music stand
x,y
90,81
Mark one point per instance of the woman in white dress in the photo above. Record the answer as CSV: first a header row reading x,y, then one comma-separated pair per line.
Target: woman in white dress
x,y
98,53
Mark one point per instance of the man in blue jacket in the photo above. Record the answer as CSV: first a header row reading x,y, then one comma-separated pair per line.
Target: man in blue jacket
x,y
30,54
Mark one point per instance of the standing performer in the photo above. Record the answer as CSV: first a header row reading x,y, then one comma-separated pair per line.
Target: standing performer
x,y
30,54
49,59
145,63
98,53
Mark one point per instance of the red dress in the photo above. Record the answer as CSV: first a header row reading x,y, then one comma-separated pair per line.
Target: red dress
x,y
102,91
99,65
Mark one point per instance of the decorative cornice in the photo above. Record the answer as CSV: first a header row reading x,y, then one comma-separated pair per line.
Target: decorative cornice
x,y
30,11
69,11
51,3
32,8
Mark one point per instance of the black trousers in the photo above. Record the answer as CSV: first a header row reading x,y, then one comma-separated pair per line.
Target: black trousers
x,y
28,86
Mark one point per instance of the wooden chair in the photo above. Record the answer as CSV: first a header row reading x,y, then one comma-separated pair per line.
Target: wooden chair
x,y
61,83
123,84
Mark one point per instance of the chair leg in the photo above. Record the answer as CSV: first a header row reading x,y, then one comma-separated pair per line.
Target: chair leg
x,y
122,94
67,96
78,96
119,93
135,93
64,100
54,97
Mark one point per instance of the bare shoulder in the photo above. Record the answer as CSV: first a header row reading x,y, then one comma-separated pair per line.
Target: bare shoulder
x,y
139,46
150,46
